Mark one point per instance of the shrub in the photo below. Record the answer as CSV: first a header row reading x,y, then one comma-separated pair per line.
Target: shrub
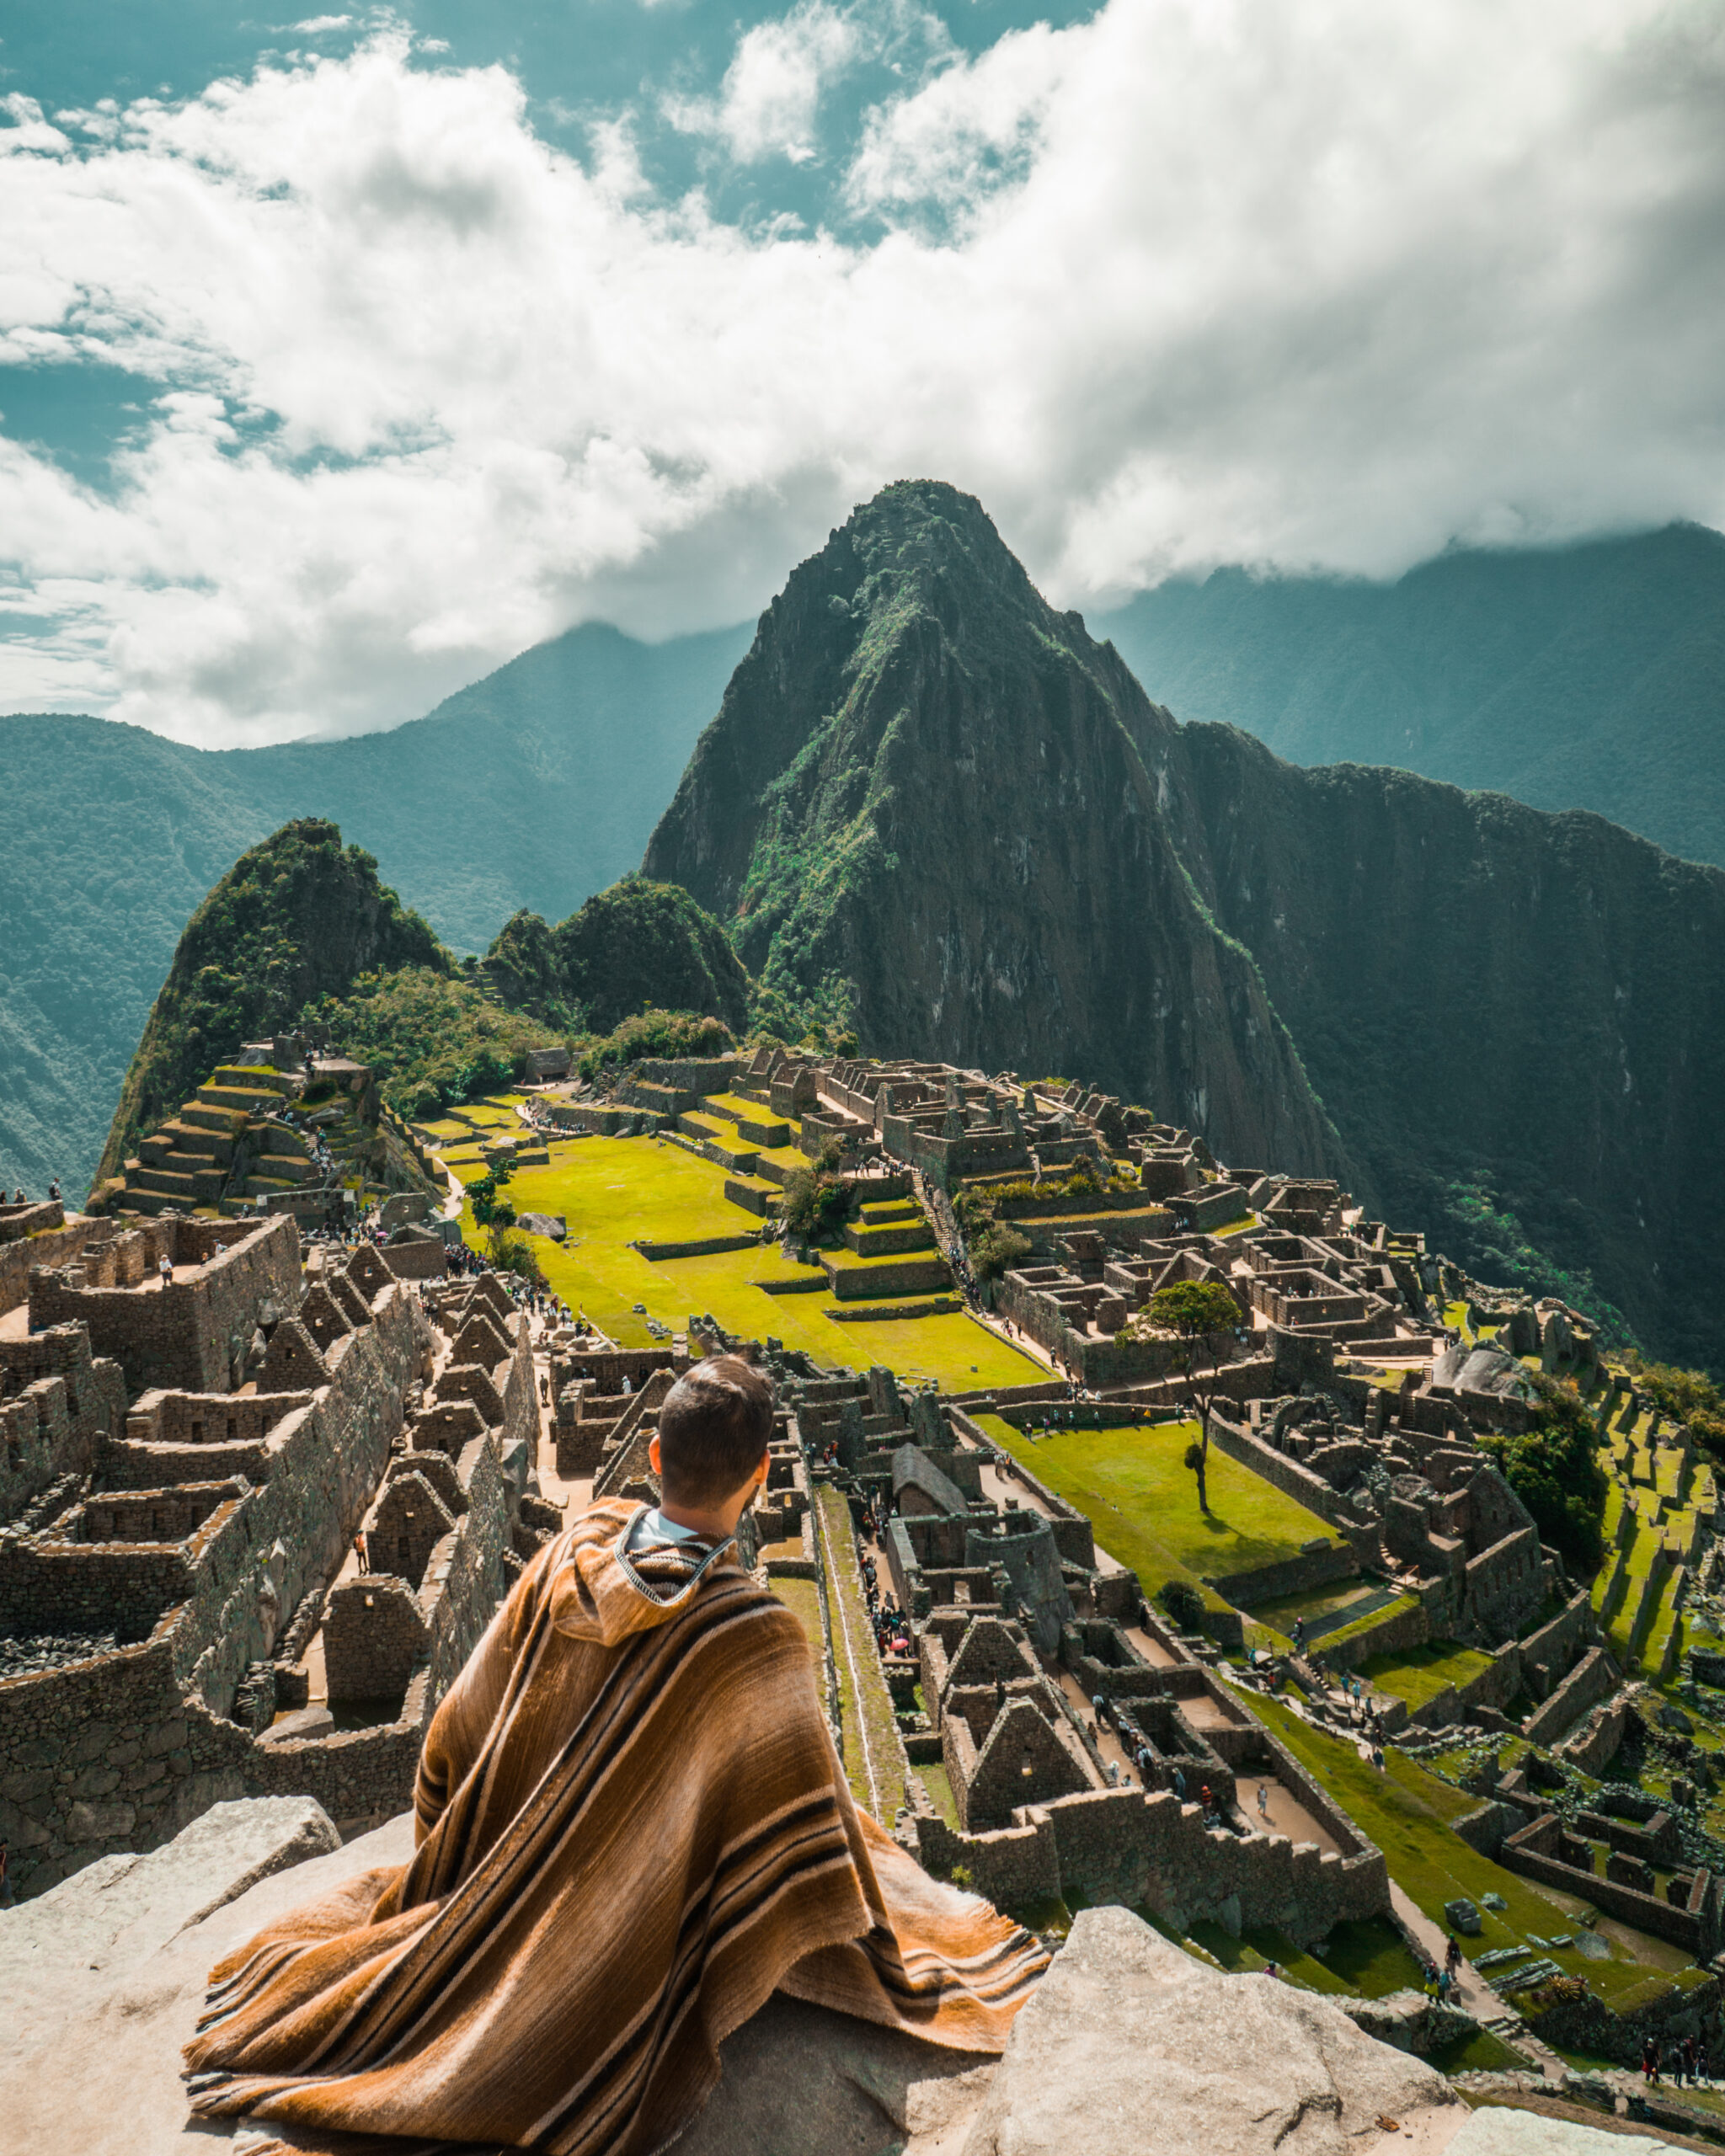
x,y
997,1250
815,1204
1184,1603
1553,1467
508,1250
671,1034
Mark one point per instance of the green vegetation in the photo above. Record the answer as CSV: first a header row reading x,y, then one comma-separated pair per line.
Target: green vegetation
x,y
615,1191
653,1033
295,919
1485,1234
1554,1468
1134,1487
1418,1675
1203,1315
870,1728
434,1038
637,943
1689,1396
817,1199
997,1249
1408,1812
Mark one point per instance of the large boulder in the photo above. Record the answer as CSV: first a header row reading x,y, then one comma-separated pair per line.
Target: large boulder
x,y
1131,2047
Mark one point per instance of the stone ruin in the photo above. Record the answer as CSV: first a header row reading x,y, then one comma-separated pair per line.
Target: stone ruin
x,y
185,1463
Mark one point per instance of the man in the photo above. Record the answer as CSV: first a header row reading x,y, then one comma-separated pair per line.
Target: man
x,y
633,1829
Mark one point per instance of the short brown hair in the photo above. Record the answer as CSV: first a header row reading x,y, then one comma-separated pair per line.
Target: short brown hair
x,y
713,1425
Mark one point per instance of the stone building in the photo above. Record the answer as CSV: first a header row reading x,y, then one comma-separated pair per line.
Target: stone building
x,y
185,1466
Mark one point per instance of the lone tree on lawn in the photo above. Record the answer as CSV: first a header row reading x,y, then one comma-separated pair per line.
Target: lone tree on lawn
x,y
1206,1317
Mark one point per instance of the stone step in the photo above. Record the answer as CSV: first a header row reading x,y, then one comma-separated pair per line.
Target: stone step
x,y
253,1100
152,1201
206,1115
252,1079
868,1241
165,1183
285,1168
183,1137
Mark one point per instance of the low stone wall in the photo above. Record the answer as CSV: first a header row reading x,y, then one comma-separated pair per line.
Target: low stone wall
x,y
1138,1848
1399,1630
1593,1678
707,1246
1532,1853
1300,1575
1290,1476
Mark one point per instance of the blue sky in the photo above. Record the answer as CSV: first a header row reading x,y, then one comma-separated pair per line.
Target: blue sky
x,y
341,356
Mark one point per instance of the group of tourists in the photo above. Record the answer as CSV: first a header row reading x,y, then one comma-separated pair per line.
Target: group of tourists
x,y
1684,2059
892,1628
20,1198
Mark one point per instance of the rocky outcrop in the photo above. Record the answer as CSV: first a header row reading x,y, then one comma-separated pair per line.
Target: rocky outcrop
x,y
1129,2045
924,809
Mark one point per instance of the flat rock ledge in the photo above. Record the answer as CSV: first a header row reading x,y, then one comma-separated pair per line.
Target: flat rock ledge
x,y
1129,2048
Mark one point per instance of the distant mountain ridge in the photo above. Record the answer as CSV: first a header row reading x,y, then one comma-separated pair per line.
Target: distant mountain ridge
x,y
1590,676
535,787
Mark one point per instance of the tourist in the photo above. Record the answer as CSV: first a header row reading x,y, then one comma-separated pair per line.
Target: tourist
x,y
1263,1801
54,1190
164,1269
1377,1757
1704,2072
1180,1784
1690,2059
361,1557
1452,1955
426,2016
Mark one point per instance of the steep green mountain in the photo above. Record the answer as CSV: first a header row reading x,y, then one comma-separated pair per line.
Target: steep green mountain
x,y
1588,676
638,943
535,787
933,805
922,811
295,918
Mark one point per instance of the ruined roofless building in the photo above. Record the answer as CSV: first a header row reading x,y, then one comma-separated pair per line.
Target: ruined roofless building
x,y
187,1459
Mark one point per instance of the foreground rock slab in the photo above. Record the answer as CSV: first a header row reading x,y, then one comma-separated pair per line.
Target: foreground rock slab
x,y
1132,2048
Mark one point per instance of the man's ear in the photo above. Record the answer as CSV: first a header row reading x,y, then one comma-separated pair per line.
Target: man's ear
x,y
652,1454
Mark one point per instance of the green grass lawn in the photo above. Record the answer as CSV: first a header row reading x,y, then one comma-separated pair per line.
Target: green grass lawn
x,y
1407,1812
1418,1675
1143,1501
611,1191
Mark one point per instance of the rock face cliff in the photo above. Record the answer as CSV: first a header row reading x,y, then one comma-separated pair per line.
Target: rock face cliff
x,y
924,809
935,807
1508,1013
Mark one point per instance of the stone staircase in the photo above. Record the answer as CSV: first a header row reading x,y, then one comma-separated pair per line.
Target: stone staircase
x,y
224,1148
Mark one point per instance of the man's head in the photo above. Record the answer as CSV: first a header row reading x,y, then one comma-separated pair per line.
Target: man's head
x,y
713,1428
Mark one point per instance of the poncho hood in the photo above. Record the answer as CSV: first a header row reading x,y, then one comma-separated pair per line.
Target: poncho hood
x,y
600,1594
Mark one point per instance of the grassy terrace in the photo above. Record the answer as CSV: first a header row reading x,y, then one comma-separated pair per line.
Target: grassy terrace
x,y
1143,1501
612,1191
1418,1675
1407,1811
871,1748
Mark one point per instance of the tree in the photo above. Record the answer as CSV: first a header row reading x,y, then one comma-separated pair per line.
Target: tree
x,y
1205,1317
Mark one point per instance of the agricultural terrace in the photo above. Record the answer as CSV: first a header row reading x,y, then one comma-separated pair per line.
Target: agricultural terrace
x,y
612,1192
1410,1813
1142,1499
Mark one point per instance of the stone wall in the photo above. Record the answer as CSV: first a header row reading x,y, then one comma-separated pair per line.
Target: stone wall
x,y
57,1406
51,1247
191,1335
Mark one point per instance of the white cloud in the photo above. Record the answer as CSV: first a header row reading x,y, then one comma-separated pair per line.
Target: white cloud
x,y
315,26
1309,281
767,103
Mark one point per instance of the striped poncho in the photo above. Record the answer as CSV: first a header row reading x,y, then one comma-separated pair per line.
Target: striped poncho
x,y
633,1828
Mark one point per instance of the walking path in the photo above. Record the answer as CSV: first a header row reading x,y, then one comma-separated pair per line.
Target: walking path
x,y
1472,1993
